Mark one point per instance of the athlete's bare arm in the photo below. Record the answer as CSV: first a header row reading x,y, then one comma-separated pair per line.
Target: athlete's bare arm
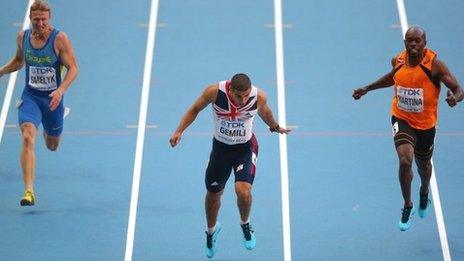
x,y
383,82
17,61
266,114
440,71
68,59
208,96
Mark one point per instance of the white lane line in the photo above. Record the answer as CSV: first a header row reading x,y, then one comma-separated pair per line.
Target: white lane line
x,y
141,130
282,122
283,25
439,216
131,126
433,181
159,25
403,17
12,82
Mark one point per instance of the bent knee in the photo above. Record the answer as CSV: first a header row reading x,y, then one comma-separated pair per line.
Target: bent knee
x,y
424,165
28,132
52,143
405,162
28,141
243,189
213,195
52,147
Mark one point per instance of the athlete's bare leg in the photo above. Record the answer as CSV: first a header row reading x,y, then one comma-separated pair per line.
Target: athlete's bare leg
x,y
212,206
424,168
27,156
405,156
52,142
244,199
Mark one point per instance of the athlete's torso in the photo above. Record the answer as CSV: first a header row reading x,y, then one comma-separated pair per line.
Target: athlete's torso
x,y
43,66
416,92
233,125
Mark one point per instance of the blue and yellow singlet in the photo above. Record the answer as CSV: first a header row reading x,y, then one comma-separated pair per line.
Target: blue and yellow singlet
x,y
43,66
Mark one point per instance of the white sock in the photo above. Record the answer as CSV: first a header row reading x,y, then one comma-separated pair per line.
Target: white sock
x,y
243,223
211,230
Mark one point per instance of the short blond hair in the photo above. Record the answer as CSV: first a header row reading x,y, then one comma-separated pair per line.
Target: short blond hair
x,y
40,5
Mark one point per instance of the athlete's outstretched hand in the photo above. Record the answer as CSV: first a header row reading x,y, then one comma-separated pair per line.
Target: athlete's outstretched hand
x,y
358,93
175,139
451,99
56,99
283,130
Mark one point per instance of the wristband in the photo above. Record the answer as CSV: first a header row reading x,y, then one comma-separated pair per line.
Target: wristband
x,y
275,129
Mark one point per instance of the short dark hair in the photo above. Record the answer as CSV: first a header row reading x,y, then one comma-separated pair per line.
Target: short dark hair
x,y
240,82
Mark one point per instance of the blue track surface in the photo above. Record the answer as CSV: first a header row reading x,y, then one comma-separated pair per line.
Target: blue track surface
x,y
345,199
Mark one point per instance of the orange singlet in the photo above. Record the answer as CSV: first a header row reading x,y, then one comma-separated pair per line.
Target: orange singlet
x,y
416,92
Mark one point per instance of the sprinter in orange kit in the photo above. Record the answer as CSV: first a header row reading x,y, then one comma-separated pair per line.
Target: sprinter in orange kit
x,y
416,76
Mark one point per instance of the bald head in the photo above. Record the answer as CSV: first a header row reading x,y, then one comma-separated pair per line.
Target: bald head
x,y
414,41
415,31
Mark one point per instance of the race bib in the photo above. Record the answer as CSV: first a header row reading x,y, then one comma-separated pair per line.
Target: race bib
x,y
232,132
410,99
42,78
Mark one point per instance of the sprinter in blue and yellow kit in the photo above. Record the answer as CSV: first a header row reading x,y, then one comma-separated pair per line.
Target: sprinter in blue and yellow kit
x,y
45,51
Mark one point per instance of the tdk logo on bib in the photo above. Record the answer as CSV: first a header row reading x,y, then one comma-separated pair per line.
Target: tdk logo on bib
x,y
229,124
42,70
410,92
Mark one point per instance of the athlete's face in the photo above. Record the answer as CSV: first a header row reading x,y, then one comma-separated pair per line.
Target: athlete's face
x,y
414,42
40,21
240,97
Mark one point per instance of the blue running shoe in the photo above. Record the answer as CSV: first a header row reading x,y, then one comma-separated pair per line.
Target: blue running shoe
x,y
249,239
211,246
423,205
405,221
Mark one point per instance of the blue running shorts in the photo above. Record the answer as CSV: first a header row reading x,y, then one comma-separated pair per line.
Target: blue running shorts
x,y
34,108
240,158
